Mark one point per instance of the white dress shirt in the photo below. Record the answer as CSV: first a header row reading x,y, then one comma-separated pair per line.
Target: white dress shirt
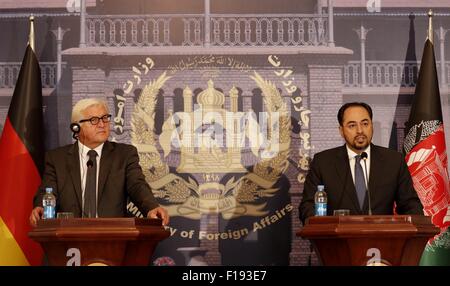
x,y
351,158
83,150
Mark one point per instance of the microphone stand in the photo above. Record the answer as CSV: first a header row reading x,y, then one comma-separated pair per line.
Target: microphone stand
x,y
364,156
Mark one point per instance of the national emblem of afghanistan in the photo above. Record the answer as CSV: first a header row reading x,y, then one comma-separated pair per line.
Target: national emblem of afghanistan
x,y
212,141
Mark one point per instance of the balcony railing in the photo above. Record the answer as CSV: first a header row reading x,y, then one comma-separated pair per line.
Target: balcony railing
x,y
378,74
129,30
386,73
269,30
189,30
9,72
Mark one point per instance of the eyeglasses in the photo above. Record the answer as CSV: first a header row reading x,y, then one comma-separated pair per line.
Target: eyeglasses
x,y
95,120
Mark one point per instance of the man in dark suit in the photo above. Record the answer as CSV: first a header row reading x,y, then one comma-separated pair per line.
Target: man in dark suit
x,y
343,172
95,177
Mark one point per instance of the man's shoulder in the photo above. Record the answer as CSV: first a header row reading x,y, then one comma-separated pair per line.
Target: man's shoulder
x,y
122,148
62,149
389,153
328,153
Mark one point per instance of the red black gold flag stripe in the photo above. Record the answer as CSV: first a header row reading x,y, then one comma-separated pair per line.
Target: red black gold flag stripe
x,y
21,165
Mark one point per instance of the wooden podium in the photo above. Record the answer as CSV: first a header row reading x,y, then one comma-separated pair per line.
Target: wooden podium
x,y
369,240
99,241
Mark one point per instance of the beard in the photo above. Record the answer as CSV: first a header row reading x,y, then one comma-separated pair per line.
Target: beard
x,y
359,143
360,147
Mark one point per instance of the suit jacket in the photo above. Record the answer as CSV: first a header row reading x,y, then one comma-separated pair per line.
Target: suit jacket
x,y
120,177
389,182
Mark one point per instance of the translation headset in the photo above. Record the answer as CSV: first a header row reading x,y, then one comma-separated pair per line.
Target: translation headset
x,y
75,128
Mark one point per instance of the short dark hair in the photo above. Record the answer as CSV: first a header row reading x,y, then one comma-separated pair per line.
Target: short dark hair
x,y
340,115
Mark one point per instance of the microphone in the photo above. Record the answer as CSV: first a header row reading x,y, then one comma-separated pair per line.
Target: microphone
x,y
90,163
364,156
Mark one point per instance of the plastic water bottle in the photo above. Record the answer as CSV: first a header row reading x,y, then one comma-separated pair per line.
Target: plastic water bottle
x,y
49,204
320,201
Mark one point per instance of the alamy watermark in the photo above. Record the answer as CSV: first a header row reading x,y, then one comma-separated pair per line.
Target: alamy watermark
x,y
73,6
373,6
74,255
214,129
375,256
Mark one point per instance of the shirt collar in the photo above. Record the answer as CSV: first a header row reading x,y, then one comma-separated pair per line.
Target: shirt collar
x,y
83,150
352,154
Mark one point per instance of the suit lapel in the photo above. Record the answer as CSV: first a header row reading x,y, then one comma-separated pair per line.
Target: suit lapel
x,y
345,175
341,166
105,166
73,165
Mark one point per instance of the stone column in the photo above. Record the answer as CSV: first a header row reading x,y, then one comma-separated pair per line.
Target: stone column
x,y
63,98
207,23
59,34
330,24
319,7
362,33
83,24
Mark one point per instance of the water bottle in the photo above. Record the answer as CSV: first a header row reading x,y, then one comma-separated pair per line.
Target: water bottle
x,y
320,201
49,204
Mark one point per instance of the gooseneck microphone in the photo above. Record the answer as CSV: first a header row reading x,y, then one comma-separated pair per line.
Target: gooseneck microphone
x,y
364,156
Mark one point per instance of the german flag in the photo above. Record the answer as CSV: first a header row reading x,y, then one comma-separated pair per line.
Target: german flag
x,y
21,163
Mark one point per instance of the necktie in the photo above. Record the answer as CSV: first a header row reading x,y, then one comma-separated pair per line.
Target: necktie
x,y
360,184
90,197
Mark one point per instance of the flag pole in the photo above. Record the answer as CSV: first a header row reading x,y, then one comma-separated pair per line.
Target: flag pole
x,y
31,36
430,26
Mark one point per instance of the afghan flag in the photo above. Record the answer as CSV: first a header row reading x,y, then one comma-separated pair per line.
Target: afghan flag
x,y
426,157
21,165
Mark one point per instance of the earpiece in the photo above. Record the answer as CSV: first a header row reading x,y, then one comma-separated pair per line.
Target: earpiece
x,y
75,128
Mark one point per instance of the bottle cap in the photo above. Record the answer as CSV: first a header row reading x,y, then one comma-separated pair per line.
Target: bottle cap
x,y
48,190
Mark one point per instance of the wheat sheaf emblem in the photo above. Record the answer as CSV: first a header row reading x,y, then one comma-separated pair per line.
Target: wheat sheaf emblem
x,y
185,197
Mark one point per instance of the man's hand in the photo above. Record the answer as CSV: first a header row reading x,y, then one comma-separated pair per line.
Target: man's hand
x,y
36,214
161,213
